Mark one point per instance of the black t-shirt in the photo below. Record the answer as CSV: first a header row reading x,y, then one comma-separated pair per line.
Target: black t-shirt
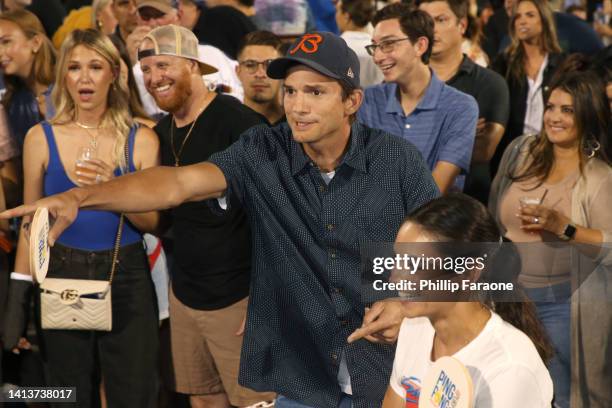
x,y
491,93
223,27
212,250
486,86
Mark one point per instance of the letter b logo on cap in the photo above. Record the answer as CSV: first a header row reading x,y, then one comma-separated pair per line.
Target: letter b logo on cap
x,y
308,44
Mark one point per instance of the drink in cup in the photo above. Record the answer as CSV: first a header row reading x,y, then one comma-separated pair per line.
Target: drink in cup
x,y
524,201
86,153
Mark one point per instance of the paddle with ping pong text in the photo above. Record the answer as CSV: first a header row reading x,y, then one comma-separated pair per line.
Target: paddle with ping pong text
x,y
448,384
39,244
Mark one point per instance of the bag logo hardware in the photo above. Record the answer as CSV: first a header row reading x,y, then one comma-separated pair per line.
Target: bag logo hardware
x,y
69,296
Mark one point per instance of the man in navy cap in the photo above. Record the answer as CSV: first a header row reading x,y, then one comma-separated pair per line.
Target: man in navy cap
x,y
316,190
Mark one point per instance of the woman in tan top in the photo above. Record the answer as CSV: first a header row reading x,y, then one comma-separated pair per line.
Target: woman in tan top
x,y
567,169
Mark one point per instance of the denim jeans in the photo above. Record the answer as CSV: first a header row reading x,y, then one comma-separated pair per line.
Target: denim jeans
x,y
124,358
553,307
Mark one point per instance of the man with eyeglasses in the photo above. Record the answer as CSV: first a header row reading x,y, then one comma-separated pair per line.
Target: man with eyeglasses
x,y
261,93
413,103
157,13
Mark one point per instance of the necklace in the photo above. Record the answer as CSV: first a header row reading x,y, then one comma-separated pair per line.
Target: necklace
x,y
83,126
177,155
93,139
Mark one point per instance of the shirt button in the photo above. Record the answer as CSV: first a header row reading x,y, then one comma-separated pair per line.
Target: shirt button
x,y
330,227
332,254
407,125
322,189
334,357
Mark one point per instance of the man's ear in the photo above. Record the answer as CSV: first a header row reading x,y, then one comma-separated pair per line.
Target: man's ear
x,y
353,102
421,46
463,24
194,67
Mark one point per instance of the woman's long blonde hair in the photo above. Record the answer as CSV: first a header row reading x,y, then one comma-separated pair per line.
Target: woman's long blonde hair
x,y
43,68
117,117
548,39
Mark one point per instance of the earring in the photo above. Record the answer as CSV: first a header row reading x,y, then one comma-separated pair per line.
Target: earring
x,y
590,147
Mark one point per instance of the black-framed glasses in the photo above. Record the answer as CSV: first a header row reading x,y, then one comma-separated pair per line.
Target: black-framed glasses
x,y
252,66
385,46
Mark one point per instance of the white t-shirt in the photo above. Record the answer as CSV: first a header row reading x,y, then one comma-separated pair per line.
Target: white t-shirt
x,y
506,369
212,56
369,73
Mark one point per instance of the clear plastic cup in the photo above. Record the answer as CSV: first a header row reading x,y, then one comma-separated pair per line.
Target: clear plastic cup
x,y
524,201
86,153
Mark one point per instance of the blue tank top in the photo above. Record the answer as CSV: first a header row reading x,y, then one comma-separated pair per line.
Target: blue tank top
x,y
92,230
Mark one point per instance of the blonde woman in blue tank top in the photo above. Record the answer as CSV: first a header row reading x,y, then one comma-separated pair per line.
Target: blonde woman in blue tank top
x,y
92,111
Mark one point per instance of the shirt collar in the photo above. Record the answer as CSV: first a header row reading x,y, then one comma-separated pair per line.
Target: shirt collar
x,y
428,102
354,156
467,66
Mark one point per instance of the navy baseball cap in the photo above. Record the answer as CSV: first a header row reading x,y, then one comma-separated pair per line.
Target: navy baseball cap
x,y
324,52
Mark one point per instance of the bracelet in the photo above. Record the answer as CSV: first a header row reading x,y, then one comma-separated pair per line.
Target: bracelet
x,y
21,276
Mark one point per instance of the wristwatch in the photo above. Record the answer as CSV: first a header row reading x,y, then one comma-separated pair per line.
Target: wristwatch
x,y
568,232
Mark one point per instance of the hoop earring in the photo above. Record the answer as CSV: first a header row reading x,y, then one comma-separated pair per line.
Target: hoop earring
x,y
590,148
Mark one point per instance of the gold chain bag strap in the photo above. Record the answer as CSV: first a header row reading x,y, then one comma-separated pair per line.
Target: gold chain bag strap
x,y
81,304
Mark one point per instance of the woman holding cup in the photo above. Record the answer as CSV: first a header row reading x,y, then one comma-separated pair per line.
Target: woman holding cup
x,y
557,187
84,144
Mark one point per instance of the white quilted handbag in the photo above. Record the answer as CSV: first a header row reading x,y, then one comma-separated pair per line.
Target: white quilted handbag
x,y
76,304
79,304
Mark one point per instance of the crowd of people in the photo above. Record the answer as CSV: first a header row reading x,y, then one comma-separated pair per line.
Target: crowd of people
x,y
223,164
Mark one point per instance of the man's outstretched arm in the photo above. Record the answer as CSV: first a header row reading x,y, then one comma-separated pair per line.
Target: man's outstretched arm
x,y
158,188
151,189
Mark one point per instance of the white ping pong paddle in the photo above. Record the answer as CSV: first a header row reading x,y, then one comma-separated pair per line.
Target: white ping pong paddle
x,y
39,244
448,384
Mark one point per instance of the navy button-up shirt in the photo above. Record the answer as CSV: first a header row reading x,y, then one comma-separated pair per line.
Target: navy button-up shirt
x,y
305,290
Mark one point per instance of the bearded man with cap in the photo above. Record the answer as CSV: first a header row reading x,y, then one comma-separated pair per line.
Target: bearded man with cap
x,y
158,13
210,277
316,190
